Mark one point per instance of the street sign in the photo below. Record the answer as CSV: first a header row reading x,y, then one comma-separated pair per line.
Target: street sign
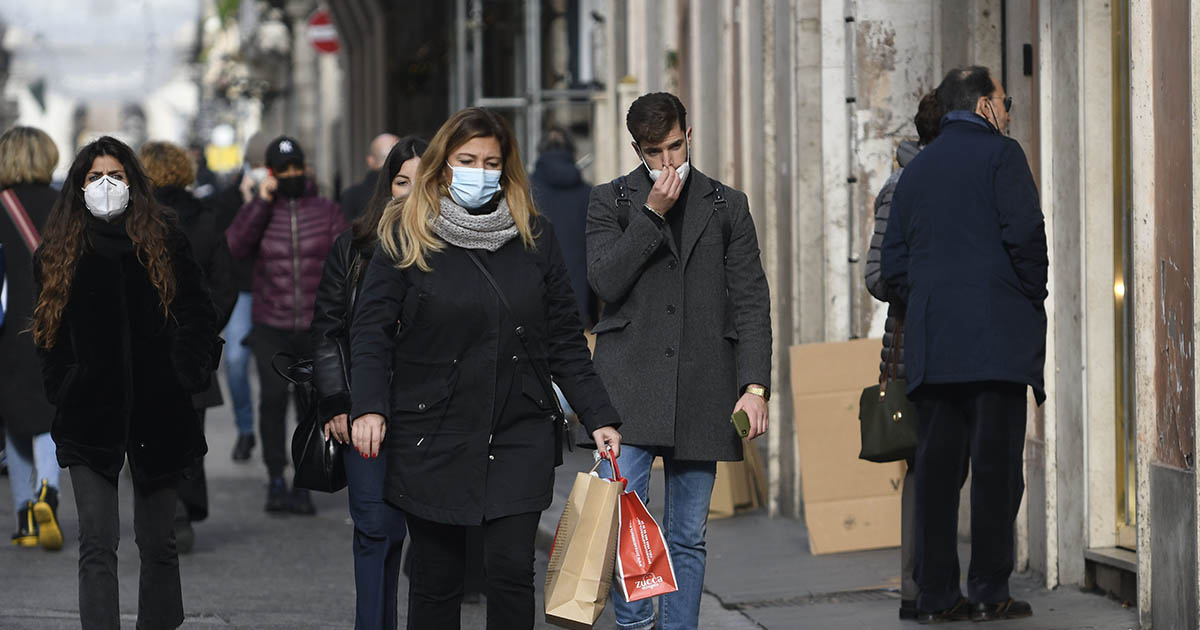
x,y
322,34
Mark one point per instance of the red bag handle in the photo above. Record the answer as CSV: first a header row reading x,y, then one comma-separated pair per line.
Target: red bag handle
x,y
616,469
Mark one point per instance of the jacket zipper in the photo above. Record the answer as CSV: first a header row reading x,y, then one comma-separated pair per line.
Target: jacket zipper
x,y
295,266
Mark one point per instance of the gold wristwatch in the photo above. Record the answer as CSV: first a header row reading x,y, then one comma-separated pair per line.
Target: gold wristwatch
x,y
757,390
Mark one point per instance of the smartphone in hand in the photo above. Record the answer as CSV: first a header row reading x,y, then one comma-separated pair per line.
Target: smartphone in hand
x,y
741,422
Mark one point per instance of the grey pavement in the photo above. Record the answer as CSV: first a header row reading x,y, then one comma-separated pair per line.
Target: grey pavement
x,y
253,570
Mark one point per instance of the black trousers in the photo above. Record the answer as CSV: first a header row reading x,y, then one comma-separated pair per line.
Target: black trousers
x,y
273,390
439,552
160,597
985,423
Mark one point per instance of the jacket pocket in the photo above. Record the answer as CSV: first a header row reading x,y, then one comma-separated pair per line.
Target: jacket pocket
x,y
610,324
535,391
64,385
420,399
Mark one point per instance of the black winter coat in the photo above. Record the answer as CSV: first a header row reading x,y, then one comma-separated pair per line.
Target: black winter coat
x,y
965,249
561,194
470,434
354,199
122,375
341,280
23,407
212,254
226,205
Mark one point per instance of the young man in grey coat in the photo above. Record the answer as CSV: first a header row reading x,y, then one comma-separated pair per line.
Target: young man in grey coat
x,y
684,339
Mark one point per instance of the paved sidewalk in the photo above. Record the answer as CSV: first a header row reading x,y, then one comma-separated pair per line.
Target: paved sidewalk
x,y
251,570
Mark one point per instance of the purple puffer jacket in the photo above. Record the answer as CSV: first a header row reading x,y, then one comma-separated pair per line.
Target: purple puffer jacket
x,y
290,239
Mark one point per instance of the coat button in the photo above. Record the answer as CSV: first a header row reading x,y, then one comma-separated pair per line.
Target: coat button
x,y
670,352
672,265
492,457
421,407
670,309
515,358
520,330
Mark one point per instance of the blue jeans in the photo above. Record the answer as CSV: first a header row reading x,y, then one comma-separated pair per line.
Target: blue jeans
x,y
237,364
379,531
685,519
30,460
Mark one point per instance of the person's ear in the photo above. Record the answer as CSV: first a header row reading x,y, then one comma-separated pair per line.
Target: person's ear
x,y
637,150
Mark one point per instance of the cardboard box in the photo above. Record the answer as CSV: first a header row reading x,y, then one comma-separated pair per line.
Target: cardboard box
x,y
849,504
739,485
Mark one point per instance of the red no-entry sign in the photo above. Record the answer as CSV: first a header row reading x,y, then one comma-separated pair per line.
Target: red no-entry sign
x,y
321,32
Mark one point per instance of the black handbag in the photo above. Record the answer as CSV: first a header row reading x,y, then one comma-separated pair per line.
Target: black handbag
x,y
887,419
317,460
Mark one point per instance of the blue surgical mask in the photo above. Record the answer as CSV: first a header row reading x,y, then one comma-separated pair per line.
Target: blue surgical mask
x,y
473,187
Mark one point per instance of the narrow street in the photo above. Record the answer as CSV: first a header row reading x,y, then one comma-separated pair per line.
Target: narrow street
x,y
253,570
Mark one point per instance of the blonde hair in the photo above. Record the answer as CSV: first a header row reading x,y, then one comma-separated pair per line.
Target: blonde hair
x,y
27,156
167,164
406,229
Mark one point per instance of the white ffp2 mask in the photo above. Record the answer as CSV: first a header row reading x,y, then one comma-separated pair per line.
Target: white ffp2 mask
x,y
682,170
106,197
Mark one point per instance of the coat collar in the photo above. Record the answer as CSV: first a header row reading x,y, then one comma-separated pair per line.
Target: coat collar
x,y
699,206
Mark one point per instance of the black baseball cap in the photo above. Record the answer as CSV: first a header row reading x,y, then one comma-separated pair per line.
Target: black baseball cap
x,y
284,151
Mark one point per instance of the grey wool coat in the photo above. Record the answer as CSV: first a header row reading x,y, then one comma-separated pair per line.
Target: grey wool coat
x,y
685,326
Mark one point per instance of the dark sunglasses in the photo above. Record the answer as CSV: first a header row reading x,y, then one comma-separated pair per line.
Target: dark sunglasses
x,y
1008,103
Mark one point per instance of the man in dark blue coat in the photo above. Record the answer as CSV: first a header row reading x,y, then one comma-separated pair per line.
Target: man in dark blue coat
x,y
965,249
561,194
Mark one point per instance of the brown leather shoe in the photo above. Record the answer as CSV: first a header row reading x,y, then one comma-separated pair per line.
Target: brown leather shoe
x,y
960,611
1007,609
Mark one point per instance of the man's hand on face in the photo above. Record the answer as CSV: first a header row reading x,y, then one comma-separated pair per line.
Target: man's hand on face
x,y
665,191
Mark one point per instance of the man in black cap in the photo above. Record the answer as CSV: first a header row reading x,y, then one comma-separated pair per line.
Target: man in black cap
x,y
289,230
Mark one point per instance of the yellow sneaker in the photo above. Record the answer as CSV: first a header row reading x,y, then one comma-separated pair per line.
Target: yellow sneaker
x,y
26,534
49,535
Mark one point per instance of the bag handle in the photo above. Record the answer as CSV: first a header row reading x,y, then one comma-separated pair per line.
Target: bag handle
x,y
615,468
296,371
892,366
521,333
21,219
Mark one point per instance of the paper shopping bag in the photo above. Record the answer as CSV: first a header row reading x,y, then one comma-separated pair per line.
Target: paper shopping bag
x,y
580,571
644,566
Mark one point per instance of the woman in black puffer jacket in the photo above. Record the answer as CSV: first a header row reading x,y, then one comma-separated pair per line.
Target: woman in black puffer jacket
x,y
128,335
379,528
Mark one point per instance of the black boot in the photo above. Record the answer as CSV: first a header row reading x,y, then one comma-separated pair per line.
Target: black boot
x,y
301,502
45,512
243,447
26,534
277,496
1007,609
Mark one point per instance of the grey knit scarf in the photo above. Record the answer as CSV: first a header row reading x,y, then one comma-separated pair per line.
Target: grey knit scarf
x,y
491,231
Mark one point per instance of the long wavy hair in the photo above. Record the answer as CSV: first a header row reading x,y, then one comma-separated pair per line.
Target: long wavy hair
x,y
366,226
406,230
63,239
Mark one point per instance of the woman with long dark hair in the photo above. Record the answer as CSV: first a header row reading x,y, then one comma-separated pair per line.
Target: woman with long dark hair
x,y
465,313
379,528
128,334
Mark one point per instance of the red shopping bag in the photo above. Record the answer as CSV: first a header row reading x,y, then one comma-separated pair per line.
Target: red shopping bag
x,y
644,567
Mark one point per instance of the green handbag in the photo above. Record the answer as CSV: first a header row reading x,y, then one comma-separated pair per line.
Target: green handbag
x,y
887,419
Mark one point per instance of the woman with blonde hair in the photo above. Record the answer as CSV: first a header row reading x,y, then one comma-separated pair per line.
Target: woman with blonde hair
x,y
465,313
27,160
